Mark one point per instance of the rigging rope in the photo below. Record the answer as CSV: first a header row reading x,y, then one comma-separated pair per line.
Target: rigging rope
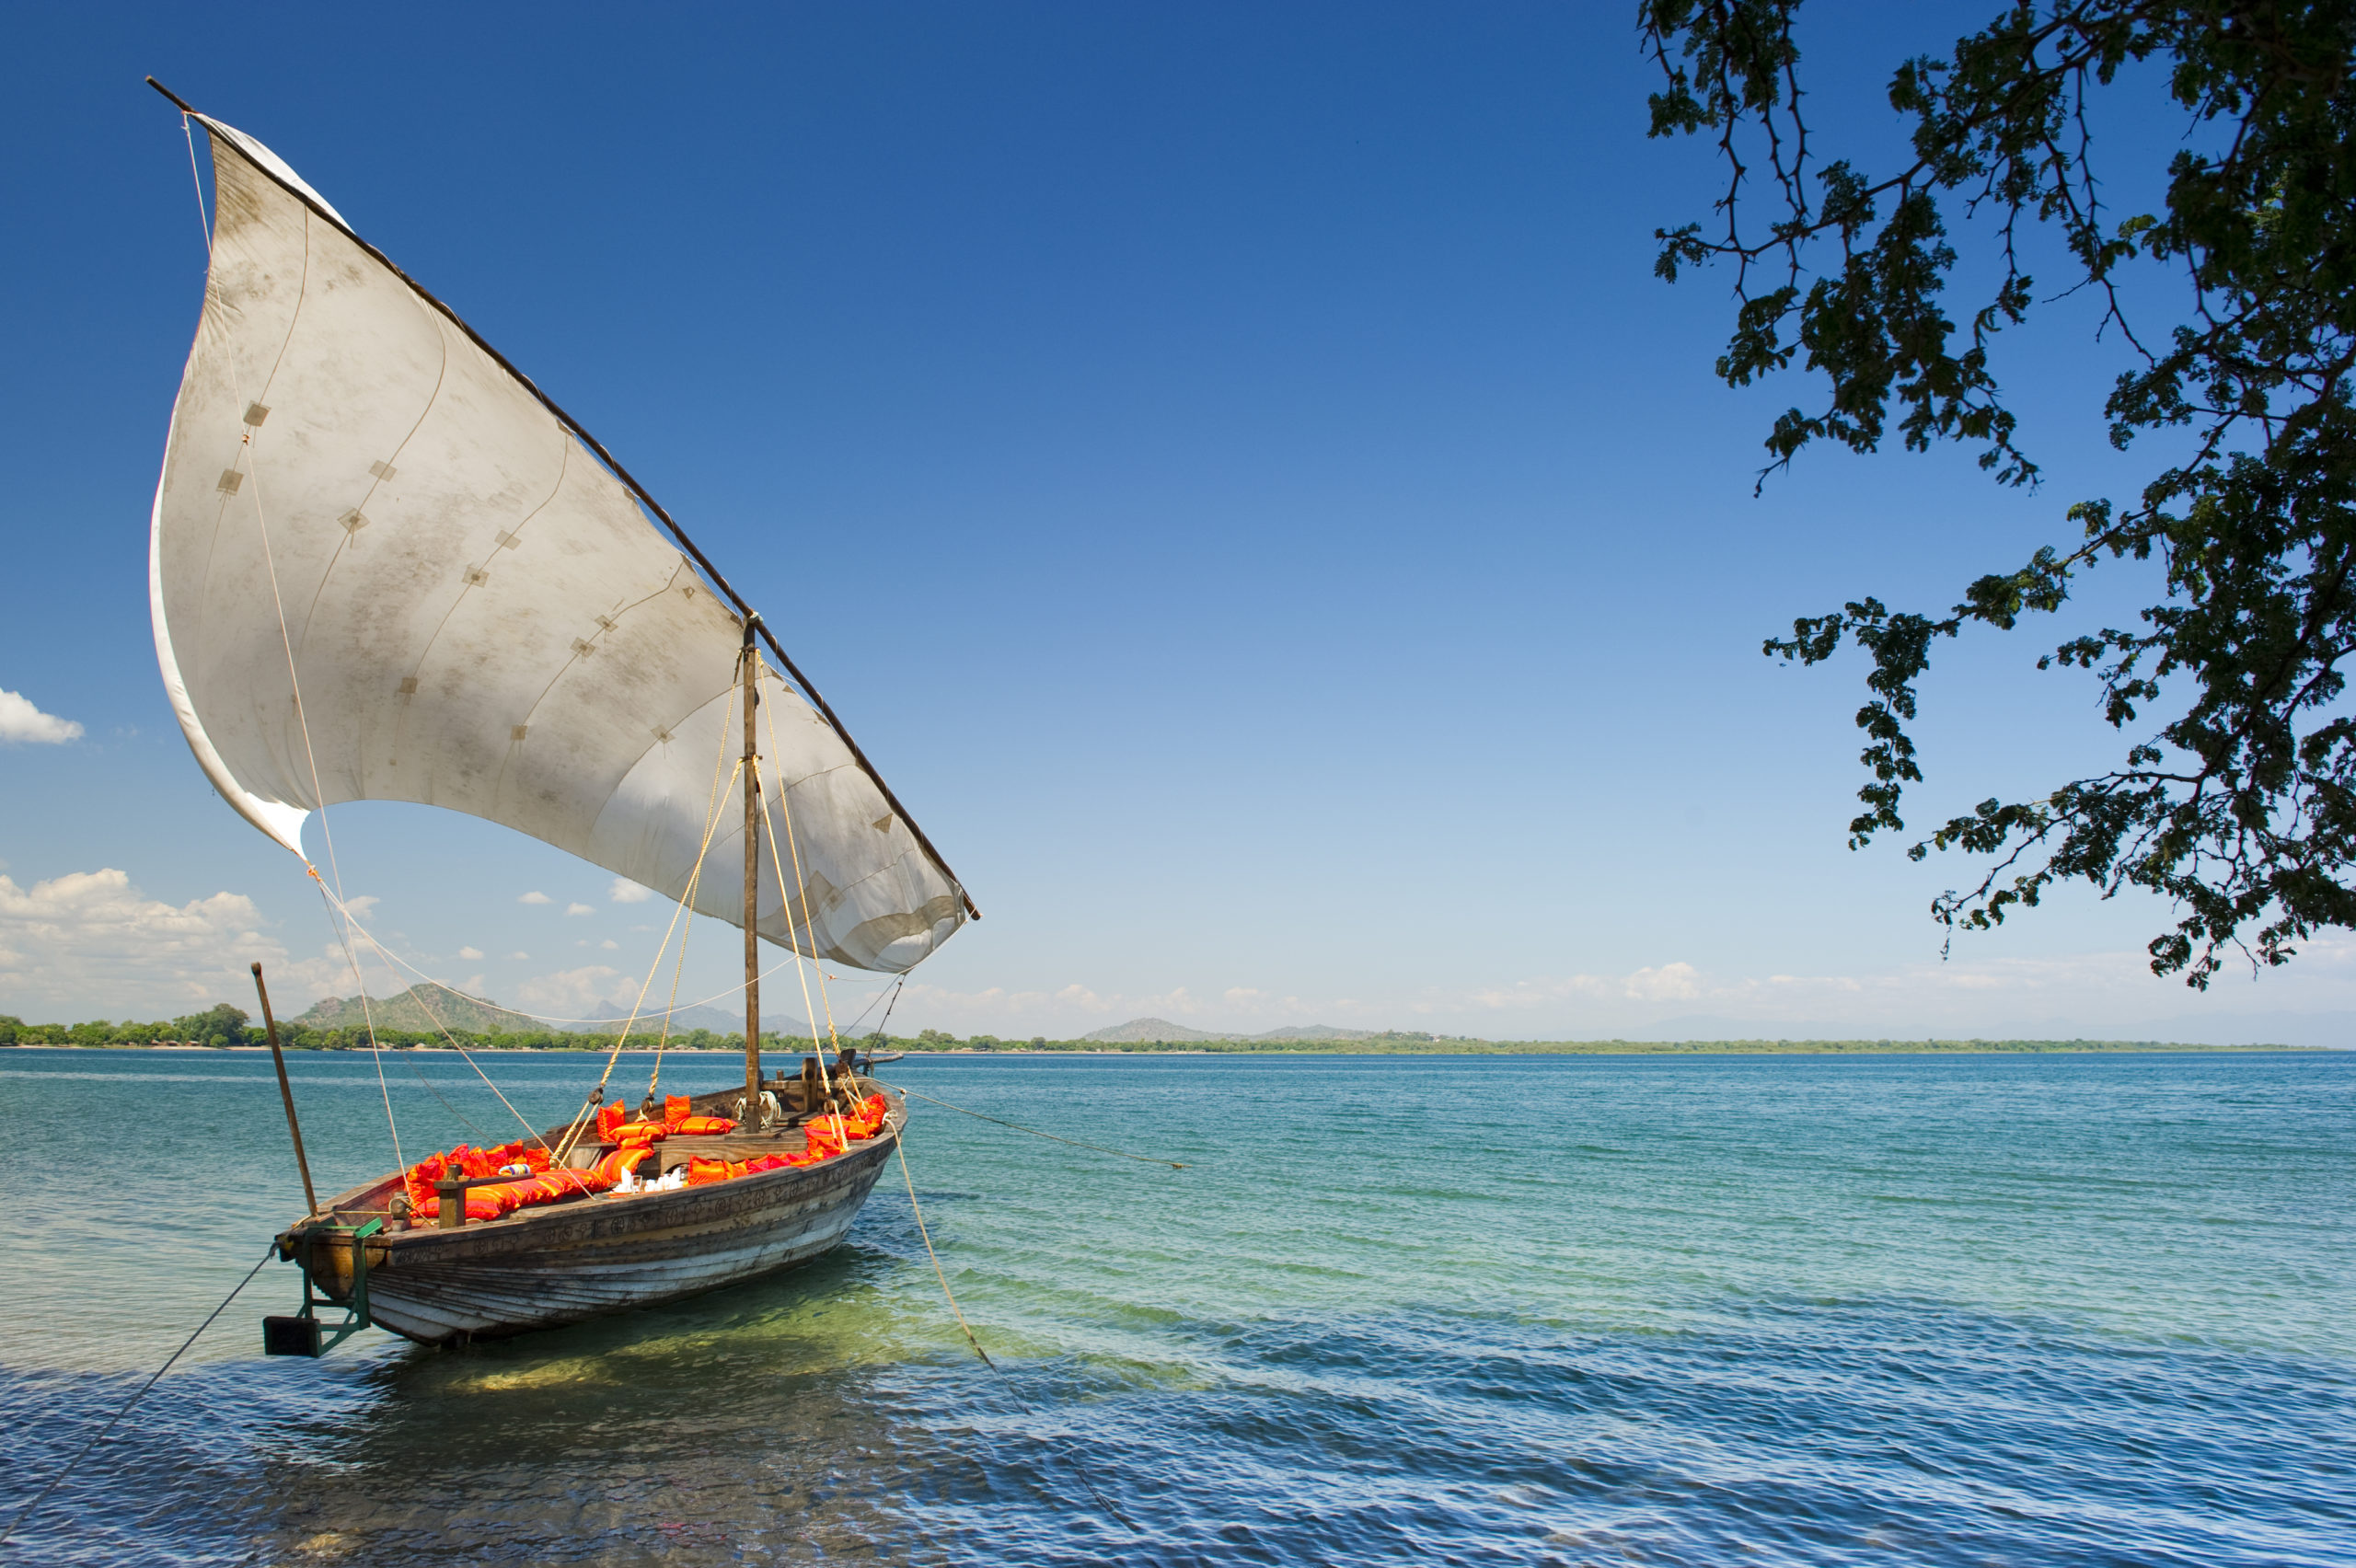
x,y
687,903
204,218
68,1468
736,989
800,888
302,722
294,679
582,1117
891,990
801,899
443,1028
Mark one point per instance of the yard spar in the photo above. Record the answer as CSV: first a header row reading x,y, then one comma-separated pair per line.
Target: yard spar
x,y
385,566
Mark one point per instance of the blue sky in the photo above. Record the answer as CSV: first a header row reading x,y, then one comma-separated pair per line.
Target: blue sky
x,y
1279,537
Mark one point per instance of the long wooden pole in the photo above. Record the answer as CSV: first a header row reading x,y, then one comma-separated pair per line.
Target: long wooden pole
x,y
286,1093
752,887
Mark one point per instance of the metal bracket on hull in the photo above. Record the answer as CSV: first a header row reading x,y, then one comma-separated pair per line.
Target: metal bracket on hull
x,y
304,1334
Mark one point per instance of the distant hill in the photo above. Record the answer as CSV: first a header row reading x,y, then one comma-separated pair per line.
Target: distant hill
x,y
405,1013
1150,1031
1160,1030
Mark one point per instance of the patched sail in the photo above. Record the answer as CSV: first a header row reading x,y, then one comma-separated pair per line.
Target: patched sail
x,y
480,615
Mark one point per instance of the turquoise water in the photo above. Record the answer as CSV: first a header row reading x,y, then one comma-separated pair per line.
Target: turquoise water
x,y
1759,1310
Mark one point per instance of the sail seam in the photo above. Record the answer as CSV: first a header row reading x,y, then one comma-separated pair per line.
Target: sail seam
x,y
417,670
351,539
500,781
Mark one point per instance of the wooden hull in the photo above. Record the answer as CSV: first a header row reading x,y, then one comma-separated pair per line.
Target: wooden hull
x,y
590,1256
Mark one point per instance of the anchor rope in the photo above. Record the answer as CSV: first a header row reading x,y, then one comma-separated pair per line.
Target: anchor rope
x,y
71,1465
900,1148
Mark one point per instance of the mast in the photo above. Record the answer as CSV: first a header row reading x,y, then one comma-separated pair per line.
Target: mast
x,y
752,884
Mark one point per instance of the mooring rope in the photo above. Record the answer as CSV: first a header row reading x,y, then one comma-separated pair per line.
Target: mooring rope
x,y
900,1148
26,1511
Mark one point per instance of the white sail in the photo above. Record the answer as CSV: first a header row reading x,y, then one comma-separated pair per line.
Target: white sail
x,y
476,613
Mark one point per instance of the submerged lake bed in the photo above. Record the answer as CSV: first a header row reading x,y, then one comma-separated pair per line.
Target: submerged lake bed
x,y
1693,1310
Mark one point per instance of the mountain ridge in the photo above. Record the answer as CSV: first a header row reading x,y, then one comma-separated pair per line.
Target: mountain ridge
x,y
406,1012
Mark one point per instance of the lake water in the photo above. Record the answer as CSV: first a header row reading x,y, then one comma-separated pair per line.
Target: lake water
x,y
1756,1311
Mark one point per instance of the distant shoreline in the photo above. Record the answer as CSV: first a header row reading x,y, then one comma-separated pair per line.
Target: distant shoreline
x,y
1348,1048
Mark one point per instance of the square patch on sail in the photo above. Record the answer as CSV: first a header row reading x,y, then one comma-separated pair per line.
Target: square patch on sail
x,y
477,577
353,520
507,541
582,650
382,470
408,686
256,412
517,732
230,480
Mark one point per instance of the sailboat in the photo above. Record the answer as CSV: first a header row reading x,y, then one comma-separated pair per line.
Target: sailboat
x,y
385,565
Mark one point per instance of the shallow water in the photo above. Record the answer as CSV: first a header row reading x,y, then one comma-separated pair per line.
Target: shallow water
x,y
1936,1310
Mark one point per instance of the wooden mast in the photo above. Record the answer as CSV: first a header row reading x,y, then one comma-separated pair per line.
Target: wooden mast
x,y
751,886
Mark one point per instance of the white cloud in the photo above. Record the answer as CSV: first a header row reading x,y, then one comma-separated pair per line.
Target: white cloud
x,y
1670,982
473,983
90,939
536,897
514,956
21,721
573,993
610,945
363,906
470,953
625,891
579,910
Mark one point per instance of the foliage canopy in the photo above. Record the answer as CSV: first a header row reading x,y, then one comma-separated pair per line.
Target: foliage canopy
x,y
2238,803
